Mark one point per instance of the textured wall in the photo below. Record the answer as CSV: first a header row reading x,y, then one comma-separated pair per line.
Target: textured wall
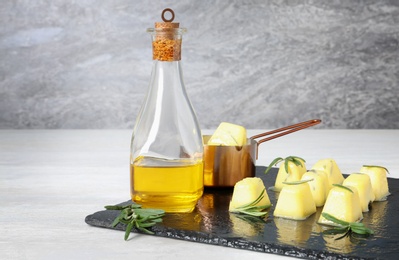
x,y
262,64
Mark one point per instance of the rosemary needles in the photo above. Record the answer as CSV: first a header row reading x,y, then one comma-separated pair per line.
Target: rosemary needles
x,y
252,208
346,228
135,217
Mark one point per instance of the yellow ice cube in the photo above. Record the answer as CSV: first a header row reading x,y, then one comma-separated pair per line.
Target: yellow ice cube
x,y
363,185
294,203
294,173
318,186
228,134
343,203
334,174
379,182
247,191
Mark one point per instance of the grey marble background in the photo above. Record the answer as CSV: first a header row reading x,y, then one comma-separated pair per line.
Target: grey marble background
x,y
262,64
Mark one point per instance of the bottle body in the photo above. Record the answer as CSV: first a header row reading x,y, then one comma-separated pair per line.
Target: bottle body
x,y
173,189
166,162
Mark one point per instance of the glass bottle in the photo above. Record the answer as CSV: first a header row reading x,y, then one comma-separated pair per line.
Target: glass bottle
x,y
166,161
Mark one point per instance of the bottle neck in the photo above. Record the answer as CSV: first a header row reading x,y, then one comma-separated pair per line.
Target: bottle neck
x,y
167,76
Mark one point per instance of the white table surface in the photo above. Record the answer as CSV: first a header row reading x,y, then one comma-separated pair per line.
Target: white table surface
x,y
51,179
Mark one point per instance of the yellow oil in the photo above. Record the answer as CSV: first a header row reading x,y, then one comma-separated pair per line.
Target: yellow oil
x,y
173,189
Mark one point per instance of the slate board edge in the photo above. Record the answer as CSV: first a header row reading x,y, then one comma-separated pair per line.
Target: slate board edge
x,y
212,239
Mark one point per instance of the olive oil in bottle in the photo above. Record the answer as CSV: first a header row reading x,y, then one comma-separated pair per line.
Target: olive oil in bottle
x,y
174,188
166,161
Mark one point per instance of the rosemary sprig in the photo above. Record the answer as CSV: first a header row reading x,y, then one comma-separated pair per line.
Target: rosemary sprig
x,y
135,217
343,187
273,163
346,228
295,159
297,182
251,208
377,167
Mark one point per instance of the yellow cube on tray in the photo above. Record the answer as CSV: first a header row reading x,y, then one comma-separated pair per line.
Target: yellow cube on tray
x,y
294,173
379,181
228,134
343,203
318,183
248,190
295,201
332,170
362,183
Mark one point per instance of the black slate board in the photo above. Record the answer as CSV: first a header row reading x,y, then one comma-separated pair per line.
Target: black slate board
x,y
211,223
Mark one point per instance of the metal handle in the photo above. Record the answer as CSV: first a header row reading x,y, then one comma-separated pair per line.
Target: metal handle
x,y
284,131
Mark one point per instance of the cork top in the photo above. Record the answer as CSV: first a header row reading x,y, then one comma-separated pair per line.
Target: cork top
x,y
166,40
167,23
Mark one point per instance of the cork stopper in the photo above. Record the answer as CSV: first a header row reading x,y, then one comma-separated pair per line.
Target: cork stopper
x,y
166,44
167,23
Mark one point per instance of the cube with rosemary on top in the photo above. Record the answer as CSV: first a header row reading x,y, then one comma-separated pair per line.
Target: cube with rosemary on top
x,y
250,197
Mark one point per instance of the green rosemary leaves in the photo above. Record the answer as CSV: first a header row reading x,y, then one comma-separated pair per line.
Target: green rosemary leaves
x,y
295,159
346,228
135,217
367,166
251,208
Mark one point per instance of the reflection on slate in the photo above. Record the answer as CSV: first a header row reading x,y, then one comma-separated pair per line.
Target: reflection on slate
x,y
211,223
